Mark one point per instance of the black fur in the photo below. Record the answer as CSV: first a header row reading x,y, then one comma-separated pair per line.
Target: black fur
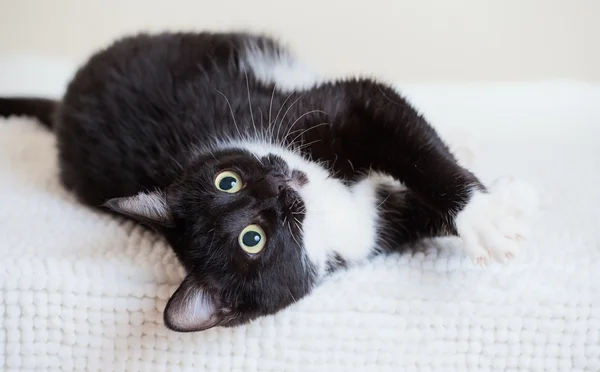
x,y
336,262
41,108
143,114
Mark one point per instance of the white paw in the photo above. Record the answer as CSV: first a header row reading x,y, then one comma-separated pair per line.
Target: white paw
x,y
492,224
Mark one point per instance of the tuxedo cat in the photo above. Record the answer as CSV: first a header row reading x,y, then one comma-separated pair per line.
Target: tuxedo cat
x,y
263,177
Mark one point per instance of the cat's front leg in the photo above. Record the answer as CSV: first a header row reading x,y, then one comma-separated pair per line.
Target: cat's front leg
x,y
380,131
491,220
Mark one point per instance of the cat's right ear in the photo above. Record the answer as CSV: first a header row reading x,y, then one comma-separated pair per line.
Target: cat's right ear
x,y
192,308
150,208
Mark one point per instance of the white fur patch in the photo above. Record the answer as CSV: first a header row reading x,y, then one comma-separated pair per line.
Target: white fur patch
x,y
338,218
279,67
491,224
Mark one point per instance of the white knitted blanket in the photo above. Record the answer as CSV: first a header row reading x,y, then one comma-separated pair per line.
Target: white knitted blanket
x,y
80,290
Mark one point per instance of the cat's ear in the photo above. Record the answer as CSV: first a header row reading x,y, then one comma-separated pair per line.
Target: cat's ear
x,y
191,308
146,207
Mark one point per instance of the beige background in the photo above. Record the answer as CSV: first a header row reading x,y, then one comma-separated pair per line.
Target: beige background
x,y
408,41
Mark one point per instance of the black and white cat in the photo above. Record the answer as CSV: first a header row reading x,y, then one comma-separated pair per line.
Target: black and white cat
x,y
263,177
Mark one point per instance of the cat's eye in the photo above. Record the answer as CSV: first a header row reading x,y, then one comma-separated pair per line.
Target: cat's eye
x,y
252,239
228,181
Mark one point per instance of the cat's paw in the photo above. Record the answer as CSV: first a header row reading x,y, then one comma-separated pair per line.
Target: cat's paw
x,y
492,224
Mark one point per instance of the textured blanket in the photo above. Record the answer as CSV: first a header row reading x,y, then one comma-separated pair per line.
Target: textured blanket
x,y
80,290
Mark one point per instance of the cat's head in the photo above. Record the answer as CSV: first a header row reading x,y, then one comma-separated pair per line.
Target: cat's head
x,y
235,223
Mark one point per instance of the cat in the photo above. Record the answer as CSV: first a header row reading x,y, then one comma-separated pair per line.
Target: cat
x,y
263,176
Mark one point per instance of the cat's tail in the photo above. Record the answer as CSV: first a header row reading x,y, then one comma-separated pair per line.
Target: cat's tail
x,y
42,109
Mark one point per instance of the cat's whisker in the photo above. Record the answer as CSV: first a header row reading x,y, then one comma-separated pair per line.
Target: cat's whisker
x,y
298,228
333,174
297,120
292,295
279,111
210,152
230,110
259,277
210,250
296,131
250,104
352,165
264,132
292,234
258,158
272,128
289,108
383,201
307,130
297,149
336,156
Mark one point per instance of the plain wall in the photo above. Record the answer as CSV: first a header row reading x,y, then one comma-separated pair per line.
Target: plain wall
x,y
407,41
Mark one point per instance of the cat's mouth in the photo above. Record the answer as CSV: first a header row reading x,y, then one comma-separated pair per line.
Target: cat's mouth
x,y
294,212
294,205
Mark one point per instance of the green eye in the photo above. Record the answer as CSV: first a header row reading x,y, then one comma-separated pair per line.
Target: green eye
x,y
252,239
228,181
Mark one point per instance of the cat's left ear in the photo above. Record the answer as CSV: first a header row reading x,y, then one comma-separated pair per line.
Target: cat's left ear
x,y
150,208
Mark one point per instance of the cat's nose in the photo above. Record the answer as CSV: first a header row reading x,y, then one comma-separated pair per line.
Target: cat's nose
x,y
272,186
